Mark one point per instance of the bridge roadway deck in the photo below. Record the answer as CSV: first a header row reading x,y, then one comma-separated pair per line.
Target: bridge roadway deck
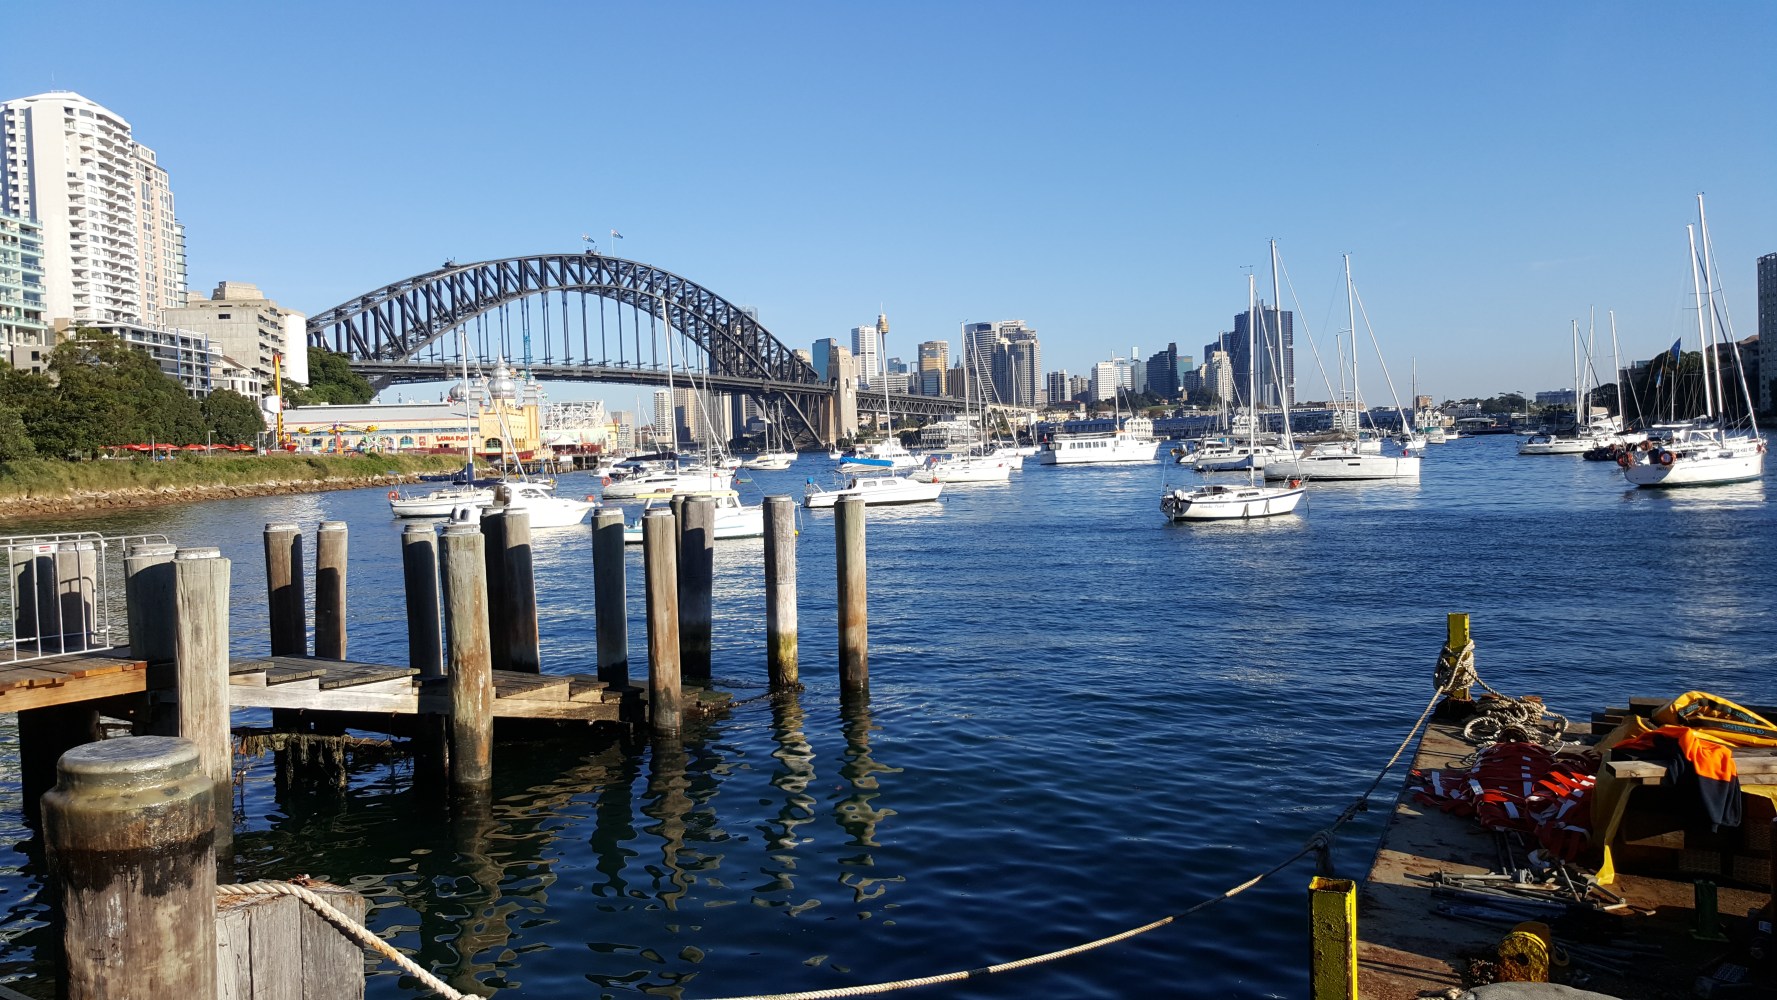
x,y
307,683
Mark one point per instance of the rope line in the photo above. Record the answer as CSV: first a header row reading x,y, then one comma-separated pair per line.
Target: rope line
x,y
351,928
1319,843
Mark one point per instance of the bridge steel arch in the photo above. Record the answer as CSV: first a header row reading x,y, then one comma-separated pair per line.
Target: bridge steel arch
x,y
384,332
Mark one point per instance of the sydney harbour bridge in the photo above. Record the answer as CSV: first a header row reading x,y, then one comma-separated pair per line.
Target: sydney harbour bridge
x,y
587,317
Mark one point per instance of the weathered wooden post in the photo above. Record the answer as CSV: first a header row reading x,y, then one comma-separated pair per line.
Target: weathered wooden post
x,y
659,553
697,569
130,834
419,576
148,600
493,534
200,657
284,590
610,608
780,593
330,590
854,618
524,646
471,662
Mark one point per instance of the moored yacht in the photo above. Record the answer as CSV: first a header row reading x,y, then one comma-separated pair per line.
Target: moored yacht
x,y
872,490
1132,442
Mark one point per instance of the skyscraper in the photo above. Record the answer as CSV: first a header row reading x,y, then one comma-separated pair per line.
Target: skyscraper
x,y
869,346
1767,330
1276,366
1007,361
112,252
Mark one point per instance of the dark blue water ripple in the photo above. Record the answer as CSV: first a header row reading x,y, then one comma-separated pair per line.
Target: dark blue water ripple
x,y
1081,719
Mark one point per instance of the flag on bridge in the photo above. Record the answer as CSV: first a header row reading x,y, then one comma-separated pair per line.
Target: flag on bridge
x,y
616,235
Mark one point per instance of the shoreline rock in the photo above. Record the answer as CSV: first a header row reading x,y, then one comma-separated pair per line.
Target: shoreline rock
x,y
106,501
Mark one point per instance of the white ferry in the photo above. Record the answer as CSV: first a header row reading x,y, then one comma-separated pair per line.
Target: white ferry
x,y
1133,442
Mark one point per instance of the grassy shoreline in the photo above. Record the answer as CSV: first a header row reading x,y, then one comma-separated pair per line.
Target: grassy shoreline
x,y
38,486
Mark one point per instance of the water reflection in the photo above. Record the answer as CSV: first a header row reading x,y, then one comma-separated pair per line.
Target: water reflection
x,y
858,814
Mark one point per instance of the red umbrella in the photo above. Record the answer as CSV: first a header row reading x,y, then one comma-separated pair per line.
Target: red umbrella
x,y
136,447
194,447
166,447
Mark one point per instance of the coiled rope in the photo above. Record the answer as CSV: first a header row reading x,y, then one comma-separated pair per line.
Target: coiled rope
x,y
1319,844
351,928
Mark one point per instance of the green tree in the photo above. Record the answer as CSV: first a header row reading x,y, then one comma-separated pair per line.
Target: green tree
x,y
15,441
232,418
20,393
331,380
104,392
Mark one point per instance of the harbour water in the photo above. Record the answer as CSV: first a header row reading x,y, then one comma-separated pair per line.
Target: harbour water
x,y
1081,718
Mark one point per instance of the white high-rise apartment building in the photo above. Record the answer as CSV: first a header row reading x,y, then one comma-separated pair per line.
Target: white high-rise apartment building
x,y
112,252
1108,377
868,344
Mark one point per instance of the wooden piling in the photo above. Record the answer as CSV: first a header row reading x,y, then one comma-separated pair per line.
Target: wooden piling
x,y
659,553
284,590
280,947
200,655
610,608
697,569
419,575
330,590
523,644
1332,920
129,831
148,600
854,618
471,662
780,593
493,534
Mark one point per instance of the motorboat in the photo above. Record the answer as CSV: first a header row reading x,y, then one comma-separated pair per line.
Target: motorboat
x,y
1230,456
733,518
1132,442
873,490
886,454
964,469
770,461
546,510
670,482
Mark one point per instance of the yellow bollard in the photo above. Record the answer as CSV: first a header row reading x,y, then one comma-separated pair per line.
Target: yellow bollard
x,y
1455,641
1332,924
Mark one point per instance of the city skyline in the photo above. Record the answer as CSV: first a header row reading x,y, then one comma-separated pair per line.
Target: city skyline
x,y
1533,164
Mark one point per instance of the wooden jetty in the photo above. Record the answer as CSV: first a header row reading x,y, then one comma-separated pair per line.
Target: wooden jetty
x,y
1642,947
163,668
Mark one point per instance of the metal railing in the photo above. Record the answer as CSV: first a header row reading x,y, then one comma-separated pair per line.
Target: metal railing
x,y
64,593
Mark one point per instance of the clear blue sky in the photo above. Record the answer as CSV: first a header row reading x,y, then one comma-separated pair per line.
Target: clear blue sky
x,y
1103,172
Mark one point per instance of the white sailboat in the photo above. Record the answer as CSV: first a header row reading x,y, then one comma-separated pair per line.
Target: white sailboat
x,y
1350,459
733,519
1705,451
871,474
973,465
772,459
1220,502
1593,426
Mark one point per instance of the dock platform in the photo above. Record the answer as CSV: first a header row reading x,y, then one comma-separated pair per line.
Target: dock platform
x,y
1407,949
50,681
302,682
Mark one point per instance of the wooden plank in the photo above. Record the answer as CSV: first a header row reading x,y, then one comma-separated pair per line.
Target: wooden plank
x,y
281,674
583,688
249,665
1756,767
14,677
85,664
77,689
309,697
540,687
342,674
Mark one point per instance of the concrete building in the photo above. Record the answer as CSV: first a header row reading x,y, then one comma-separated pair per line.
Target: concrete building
x,y
1108,377
1216,377
842,372
869,348
1057,387
1162,373
1767,331
74,168
505,418
248,327
934,356
188,356
1276,364
25,339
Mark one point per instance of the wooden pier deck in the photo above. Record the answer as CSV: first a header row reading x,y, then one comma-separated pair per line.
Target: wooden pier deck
x,y
302,682
1406,949
69,678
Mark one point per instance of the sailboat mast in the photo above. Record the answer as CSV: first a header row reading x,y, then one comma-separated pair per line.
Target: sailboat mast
x,y
1702,336
1283,391
1351,318
1575,348
1252,364
1616,360
1721,396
